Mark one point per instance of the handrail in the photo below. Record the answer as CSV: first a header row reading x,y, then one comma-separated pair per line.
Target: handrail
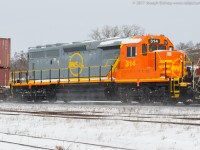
x,y
49,72
188,58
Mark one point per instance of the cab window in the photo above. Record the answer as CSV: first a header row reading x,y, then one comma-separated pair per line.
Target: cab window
x,y
162,47
144,49
171,48
152,48
131,51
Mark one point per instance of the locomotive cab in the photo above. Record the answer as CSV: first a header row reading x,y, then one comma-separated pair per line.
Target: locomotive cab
x,y
150,62
146,56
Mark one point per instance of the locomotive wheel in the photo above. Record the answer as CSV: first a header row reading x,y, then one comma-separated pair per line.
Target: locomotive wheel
x,y
51,95
173,102
5,98
169,101
18,97
124,95
124,99
53,100
109,93
144,93
188,101
66,101
37,100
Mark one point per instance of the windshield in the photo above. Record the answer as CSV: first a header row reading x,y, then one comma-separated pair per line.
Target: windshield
x,y
156,47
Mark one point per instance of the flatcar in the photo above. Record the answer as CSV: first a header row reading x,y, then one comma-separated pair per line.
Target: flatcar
x,y
140,68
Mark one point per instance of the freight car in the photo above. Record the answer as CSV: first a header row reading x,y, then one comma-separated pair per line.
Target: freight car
x,y
196,85
4,68
141,68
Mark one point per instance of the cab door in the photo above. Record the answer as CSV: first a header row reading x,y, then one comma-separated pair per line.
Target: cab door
x,y
128,60
128,56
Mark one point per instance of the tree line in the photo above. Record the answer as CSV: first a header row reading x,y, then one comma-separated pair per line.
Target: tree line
x,y
116,31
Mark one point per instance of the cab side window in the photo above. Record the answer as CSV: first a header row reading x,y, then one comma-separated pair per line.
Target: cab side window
x,y
144,49
131,51
171,48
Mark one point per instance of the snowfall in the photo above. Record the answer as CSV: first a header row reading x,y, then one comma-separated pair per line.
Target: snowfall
x,y
19,130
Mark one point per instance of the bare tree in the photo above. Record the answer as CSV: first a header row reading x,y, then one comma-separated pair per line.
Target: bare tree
x,y
95,34
190,44
192,50
184,46
126,31
114,31
197,46
193,55
131,30
19,62
110,31
181,46
106,31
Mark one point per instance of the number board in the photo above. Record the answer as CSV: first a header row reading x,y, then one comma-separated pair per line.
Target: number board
x,y
154,41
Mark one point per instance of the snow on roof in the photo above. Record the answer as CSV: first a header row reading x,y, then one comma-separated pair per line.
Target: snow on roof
x,y
110,42
131,40
120,41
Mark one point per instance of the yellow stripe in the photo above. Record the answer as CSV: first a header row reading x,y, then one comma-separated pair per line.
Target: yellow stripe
x,y
115,64
163,66
142,80
86,80
167,61
167,71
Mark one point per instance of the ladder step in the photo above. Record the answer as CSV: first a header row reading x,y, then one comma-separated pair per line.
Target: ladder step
x,y
176,96
175,92
174,87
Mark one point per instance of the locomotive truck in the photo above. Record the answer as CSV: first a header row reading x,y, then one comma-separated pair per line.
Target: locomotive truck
x,y
145,69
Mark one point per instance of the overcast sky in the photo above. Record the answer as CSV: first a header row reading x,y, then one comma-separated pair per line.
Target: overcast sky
x,y
37,22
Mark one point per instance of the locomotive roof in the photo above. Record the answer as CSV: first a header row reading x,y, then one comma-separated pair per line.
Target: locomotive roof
x,y
89,45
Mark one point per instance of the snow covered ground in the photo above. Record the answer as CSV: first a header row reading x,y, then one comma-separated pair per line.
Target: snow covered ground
x,y
49,132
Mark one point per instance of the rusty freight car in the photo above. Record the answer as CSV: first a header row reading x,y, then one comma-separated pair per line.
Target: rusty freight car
x,y
4,67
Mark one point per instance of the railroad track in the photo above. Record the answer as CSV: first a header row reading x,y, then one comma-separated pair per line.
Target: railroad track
x,y
158,118
55,139
181,119
102,103
26,145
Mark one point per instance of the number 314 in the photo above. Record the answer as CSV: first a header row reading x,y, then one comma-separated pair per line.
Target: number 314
x,y
130,63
